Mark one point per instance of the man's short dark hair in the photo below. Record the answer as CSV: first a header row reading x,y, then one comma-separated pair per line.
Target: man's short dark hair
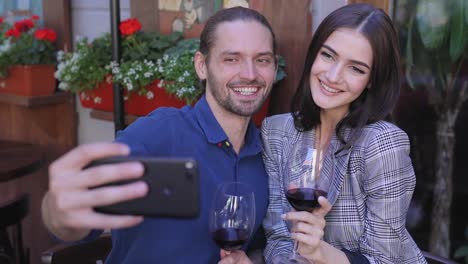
x,y
208,37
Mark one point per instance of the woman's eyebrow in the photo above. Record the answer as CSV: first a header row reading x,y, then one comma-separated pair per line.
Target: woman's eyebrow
x,y
353,61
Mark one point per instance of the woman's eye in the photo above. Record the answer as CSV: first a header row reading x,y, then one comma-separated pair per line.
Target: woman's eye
x,y
357,70
326,55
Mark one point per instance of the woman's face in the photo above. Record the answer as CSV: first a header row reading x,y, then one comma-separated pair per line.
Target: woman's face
x,y
341,70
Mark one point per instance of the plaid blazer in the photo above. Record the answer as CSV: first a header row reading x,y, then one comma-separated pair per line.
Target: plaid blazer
x,y
370,188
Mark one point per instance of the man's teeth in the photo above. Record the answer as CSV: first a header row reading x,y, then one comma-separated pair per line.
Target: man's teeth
x,y
246,91
328,89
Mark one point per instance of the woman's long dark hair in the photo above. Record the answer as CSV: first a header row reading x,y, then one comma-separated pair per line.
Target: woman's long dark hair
x,y
373,104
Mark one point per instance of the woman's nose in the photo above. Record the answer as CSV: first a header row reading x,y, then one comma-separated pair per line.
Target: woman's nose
x,y
334,73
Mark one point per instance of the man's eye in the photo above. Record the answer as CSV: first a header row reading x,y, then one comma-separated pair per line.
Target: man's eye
x,y
264,60
230,59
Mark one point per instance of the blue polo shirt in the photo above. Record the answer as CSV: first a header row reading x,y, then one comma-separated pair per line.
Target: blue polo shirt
x,y
188,132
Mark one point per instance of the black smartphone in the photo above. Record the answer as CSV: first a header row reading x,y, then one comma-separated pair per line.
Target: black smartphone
x,y
173,188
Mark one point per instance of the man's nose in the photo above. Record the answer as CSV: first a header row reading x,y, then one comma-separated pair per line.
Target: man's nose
x,y
248,71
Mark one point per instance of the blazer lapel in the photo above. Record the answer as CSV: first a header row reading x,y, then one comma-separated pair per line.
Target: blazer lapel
x,y
336,167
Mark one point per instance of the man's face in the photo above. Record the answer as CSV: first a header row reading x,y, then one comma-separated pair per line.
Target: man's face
x,y
240,68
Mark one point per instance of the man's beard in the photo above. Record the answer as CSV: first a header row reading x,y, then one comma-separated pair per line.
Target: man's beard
x,y
227,102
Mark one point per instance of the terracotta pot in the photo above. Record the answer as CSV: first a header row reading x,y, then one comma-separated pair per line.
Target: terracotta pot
x,y
29,80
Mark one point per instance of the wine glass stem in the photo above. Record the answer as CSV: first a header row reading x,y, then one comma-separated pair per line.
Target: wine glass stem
x,y
294,252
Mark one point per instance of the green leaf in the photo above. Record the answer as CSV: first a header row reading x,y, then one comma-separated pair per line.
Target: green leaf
x,y
466,12
432,19
458,28
409,54
461,252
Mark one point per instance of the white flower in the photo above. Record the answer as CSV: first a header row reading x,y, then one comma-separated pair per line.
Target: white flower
x,y
60,55
63,85
149,95
161,83
148,74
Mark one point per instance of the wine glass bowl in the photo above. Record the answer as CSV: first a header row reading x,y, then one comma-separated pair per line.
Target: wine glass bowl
x,y
301,177
232,216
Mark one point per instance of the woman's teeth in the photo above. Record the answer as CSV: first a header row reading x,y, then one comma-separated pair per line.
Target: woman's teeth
x,y
328,89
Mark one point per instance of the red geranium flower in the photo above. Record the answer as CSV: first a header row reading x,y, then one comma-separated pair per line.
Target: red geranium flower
x,y
129,26
24,25
35,17
45,34
1,20
13,32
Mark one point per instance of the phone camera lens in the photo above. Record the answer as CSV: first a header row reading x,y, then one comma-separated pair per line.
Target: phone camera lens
x,y
167,191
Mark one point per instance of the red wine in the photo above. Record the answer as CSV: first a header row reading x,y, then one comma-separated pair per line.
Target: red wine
x,y
304,199
230,238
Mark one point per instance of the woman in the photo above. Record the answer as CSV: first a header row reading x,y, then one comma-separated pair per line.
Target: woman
x,y
349,86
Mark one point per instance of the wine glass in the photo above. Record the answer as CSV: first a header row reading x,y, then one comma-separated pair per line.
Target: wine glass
x,y
302,185
232,216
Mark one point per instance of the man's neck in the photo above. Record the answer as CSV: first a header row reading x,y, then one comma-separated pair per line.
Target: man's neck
x,y
235,126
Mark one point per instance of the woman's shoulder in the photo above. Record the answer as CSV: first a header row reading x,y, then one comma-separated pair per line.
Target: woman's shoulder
x,y
280,121
278,126
383,132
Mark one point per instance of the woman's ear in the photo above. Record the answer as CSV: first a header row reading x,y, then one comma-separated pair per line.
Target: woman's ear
x,y
200,65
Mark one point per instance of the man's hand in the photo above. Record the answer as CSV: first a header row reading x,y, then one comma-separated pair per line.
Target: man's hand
x,y
234,257
67,207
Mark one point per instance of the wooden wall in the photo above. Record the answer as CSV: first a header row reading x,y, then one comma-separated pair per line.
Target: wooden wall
x,y
384,4
50,122
291,22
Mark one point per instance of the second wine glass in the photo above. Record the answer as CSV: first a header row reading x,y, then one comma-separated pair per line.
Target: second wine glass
x,y
232,216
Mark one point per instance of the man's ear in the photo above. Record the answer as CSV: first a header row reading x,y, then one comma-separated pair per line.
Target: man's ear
x,y
200,65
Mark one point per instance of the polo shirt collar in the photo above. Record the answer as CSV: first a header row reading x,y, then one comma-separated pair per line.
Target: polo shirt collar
x,y
215,134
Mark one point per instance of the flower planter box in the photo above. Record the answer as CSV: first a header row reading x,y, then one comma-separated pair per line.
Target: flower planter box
x,y
29,80
155,97
100,98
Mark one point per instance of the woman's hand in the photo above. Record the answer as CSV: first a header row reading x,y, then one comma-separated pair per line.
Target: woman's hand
x,y
309,229
234,257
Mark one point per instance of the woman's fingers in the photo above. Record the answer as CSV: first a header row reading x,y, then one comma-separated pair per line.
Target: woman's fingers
x,y
325,207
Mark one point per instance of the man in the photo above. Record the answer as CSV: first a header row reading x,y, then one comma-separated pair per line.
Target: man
x,y
236,63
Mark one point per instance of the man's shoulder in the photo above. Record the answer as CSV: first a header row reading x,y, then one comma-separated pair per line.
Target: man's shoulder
x,y
160,121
